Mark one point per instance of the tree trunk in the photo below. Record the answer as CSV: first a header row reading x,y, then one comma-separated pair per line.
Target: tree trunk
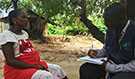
x,y
96,33
36,28
15,4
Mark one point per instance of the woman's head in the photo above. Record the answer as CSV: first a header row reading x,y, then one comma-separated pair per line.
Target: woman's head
x,y
114,15
18,18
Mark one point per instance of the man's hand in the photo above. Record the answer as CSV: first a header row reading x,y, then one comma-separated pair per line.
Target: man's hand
x,y
108,65
92,53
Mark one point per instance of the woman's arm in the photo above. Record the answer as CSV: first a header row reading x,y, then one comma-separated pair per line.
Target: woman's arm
x,y
9,54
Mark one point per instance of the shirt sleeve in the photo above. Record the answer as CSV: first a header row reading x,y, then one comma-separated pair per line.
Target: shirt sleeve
x,y
113,68
6,37
101,52
26,34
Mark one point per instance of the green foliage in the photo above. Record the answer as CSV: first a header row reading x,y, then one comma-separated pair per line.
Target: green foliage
x,y
70,10
66,30
67,7
28,4
55,30
96,7
99,22
69,25
65,13
4,4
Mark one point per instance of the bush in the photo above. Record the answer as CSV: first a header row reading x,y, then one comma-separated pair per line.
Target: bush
x,y
75,27
99,22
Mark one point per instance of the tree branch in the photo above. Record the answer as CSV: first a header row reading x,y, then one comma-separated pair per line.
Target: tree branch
x,y
96,33
14,2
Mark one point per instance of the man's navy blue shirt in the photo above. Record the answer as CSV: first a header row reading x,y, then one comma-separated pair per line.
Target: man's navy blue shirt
x,y
121,52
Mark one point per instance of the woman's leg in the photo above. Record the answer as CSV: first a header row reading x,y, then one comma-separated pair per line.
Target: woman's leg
x,y
124,75
57,71
42,74
91,71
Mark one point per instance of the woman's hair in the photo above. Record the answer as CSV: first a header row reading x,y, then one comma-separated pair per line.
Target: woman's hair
x,y
114,13
13,14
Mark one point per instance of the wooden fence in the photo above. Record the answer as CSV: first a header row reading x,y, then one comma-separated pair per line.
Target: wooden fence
x,y
3,26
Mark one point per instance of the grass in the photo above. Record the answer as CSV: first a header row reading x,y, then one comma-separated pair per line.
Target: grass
x,y
1,75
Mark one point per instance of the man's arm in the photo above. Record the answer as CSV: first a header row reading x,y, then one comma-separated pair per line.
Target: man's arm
x,y
113,68
101,52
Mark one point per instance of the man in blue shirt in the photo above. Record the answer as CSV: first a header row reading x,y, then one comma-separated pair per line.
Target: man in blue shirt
x,y
119,48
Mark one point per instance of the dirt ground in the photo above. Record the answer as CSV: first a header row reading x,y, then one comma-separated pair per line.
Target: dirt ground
x,y
65,51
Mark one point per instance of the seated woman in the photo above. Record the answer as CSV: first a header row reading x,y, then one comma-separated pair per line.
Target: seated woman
x,y
22,61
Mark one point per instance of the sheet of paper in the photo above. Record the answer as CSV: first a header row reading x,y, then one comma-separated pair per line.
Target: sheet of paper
x,y
92,60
